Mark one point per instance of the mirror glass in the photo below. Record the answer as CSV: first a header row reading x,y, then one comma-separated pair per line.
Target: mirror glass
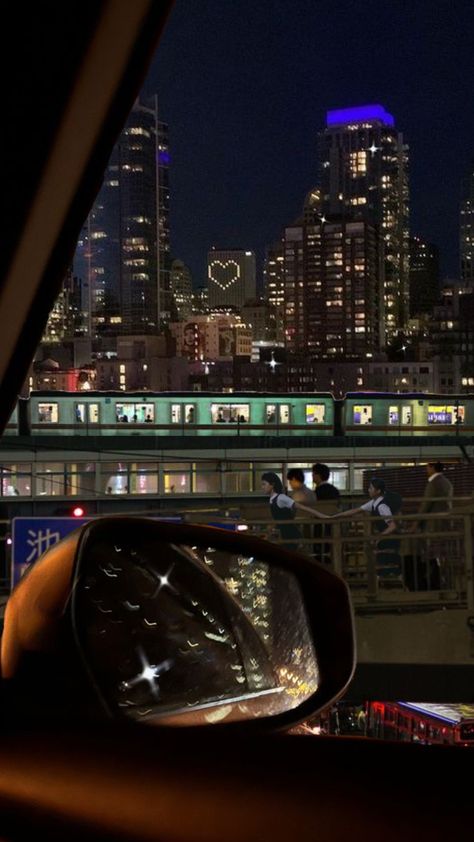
x,y
185,635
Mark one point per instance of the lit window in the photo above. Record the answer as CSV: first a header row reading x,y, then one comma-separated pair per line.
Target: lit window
x,y
87,411
48,413
136,413
362,414
230,413
315,413
445,414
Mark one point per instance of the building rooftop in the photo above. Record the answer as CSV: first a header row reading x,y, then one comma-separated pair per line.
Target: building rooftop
x,y
359,114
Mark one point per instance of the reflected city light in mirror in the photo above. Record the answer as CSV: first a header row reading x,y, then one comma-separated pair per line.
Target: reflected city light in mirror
x,y
192,635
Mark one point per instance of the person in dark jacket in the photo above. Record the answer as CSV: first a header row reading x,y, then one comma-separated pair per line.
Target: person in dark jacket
x,y
328,498
437,498
283,510
324,490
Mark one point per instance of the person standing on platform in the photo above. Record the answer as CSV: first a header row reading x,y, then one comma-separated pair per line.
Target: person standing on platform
x,y
437,498
324,490
283,510
300,493
328,499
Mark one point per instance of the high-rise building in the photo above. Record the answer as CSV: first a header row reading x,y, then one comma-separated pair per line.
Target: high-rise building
x,y
123,255
333,285
467,232
424,276
257,315
201,300
363,174
231,277
212,337
181,287
66,319
274,286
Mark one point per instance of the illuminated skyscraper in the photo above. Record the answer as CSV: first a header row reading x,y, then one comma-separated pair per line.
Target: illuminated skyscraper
x,y
333,285
123,255
231,277
467,232
274,286
181,286
66,319
363,174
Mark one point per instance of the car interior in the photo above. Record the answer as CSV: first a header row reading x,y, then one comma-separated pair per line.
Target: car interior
x,y
144,694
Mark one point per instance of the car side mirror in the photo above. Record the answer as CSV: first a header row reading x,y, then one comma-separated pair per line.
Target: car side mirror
x,y
182,624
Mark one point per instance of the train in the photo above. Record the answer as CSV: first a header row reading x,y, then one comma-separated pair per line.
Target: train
x,y
448,724
250,414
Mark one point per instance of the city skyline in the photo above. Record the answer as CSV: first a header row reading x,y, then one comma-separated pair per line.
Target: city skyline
x,y
244,138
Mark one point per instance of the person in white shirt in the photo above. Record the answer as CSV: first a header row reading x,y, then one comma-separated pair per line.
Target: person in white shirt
x,y
387,550
282,508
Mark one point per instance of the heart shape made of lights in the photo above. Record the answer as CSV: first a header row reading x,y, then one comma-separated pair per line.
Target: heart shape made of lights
x,y
224,273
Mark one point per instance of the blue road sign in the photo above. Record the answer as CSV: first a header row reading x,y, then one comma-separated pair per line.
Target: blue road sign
x,y
32,536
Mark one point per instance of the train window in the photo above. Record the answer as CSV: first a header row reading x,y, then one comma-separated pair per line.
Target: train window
x,y
393,415
48,413
270,413
135,413
233,413
189,413
177,478
406,415
87,411
362,414
176,413
16,480
183,413
283,413
445,414
315,413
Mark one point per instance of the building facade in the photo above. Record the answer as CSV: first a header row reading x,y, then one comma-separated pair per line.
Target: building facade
x,y
363,174
181,287
467,231
424,276
333,285
259,317
274,286
123,254
66,320
231,277
211,338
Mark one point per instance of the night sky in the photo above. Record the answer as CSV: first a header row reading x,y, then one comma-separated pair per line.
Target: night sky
x,y
245,84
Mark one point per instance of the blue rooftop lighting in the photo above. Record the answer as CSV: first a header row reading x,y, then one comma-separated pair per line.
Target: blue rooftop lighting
x,y
359,114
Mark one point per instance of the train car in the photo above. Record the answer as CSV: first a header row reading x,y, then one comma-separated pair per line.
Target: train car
x,y
367,414
421,722
180,413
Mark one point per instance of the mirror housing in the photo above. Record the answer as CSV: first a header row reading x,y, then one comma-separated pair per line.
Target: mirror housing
x,y
297,586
